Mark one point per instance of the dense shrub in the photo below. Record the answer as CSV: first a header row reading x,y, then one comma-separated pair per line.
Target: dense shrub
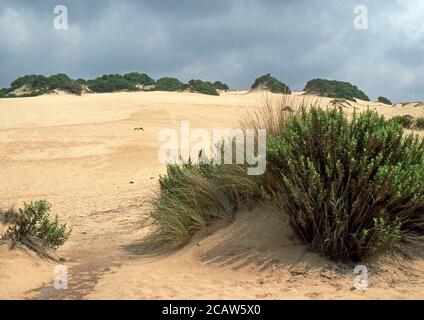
x,y
218,85
267,82
202,87
38,82
34,227
348,188
169,84
111,83
384,100
139,78
61,81
419,123
3,93
335,89
405,121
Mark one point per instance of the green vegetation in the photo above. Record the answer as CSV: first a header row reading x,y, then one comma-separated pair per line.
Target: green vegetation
x,y
139,79
218,85
384,100
348,188
111,83
63,82
405,121
203,87
267,82
33,226
169,84
419,123
3,93
335,89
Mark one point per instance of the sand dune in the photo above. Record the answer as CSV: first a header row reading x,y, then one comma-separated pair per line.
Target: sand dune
x,y
81,153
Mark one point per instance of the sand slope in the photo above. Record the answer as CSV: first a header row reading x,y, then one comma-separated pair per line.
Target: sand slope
x,y
81,153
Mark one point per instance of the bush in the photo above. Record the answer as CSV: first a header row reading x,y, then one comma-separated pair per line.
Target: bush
x,y
33,226
111,83
169,84
139,79
218,85
267,82
335,89
202,87
36,82
3,93
419,123
405,121
348,188
61,81
384,100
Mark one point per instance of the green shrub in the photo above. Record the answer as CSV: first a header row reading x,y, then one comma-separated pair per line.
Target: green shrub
x,y
419,123
384,100
61,81
348,188
36,82
3,93
218,85
169,84
405,121
111,83
34,227
335,89
202,87
139,78
270,83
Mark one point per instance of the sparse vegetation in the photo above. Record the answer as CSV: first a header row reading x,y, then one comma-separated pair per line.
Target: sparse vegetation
x,y
33,226
335,89
218,85
384,100
348,188
268,82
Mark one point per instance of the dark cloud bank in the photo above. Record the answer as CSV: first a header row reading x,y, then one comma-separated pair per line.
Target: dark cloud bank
x,y
232,41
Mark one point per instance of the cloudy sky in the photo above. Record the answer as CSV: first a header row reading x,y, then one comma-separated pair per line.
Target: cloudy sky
x,y
233,41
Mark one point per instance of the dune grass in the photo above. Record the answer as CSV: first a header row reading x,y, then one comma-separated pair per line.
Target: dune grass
x,y
349,187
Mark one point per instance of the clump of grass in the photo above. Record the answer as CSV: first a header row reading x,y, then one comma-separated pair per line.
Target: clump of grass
x,y
348,188
195,194
419,123
33,226
405,121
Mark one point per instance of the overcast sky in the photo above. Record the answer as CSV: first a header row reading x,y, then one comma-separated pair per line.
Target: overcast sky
x,y
232,41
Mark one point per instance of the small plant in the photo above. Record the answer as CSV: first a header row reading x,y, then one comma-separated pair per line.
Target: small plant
x,y
33,226
384,100
405,121
419,123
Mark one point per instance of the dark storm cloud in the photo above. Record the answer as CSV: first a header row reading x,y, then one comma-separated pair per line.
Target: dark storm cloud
x,y
233,41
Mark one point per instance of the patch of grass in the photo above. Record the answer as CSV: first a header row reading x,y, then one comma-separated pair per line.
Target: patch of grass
x,y
419,123
268,82
348,188
335,89
384,100
405,121
33,226
194,195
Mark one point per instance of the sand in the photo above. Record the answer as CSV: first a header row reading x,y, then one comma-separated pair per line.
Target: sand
x,y
83,155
